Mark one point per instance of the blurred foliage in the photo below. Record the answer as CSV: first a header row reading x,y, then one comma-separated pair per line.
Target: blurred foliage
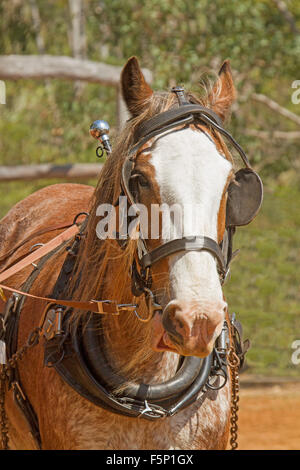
x,y
47,121
176,40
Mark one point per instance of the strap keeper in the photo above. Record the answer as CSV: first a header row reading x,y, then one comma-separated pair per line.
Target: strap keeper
x,y
179,91
107,306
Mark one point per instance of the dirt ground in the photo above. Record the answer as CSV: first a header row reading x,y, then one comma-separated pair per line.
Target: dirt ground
x,y
269,417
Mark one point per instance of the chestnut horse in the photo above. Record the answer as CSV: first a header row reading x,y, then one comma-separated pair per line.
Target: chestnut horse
x,y
189,166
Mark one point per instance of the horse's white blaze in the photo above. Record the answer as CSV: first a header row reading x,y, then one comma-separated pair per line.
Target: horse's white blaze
x,y
192,173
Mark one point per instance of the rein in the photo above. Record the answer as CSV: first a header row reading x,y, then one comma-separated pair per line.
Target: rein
x,y
95,306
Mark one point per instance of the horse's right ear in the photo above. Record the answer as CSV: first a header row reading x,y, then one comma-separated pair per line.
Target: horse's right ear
x,y
223,93
136,91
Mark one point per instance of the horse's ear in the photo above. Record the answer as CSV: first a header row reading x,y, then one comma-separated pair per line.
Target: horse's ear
x,y
223,93
136,91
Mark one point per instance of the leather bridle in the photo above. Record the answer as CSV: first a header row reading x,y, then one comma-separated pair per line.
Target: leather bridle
x,y
184,115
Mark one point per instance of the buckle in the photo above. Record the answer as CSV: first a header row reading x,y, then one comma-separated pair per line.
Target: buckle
x,y
107,306
155,411
52,325
10,307
18,392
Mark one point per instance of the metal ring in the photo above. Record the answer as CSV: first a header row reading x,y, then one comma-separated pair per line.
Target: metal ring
x,y
220,374
36,244
78,215
143,320
97,151
34,337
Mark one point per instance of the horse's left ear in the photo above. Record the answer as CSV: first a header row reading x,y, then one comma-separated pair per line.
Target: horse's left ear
x,y
136,91
223,93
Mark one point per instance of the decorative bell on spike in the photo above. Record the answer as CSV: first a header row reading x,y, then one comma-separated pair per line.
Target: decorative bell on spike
x,y
100,130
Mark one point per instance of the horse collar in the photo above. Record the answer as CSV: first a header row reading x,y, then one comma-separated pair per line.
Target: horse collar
x,y
77,354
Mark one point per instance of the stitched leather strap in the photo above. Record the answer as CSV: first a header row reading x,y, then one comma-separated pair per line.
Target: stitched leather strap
x,y
56,241
184,244
95,306
38,233
174,115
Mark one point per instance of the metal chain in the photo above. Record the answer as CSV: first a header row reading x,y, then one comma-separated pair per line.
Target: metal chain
x,y
3,417
33,340
234,362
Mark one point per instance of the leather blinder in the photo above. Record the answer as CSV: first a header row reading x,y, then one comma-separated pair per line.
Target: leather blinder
x,y
244,199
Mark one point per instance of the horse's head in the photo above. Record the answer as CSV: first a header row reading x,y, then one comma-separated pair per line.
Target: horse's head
x,y
184,165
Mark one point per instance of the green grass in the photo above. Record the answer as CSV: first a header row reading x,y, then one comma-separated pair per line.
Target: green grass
x,y
265,277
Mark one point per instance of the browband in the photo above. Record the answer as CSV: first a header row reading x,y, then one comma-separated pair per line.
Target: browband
x,y
185,114
172,116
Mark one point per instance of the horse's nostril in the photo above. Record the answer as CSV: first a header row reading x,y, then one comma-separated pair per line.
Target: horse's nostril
x,y
178,339
169,324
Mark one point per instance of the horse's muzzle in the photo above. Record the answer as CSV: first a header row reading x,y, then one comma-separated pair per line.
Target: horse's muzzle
x,y
192,328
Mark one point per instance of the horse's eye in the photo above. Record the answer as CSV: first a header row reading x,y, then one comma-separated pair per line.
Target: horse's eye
x,y
141,180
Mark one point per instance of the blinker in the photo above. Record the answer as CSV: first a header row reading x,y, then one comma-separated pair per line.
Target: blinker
x,y
245,197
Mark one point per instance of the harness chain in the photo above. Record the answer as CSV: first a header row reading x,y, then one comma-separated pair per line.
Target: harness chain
x,y
233,361
33,340
3,417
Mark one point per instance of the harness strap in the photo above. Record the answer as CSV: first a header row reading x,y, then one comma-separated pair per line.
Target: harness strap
x,y
198,243
173,115
44,250
38,233
95,306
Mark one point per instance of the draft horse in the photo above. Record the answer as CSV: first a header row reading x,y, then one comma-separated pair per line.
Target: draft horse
x,y
130,351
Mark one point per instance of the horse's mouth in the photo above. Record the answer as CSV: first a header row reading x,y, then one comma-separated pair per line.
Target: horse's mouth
x,y
165,344
163,340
